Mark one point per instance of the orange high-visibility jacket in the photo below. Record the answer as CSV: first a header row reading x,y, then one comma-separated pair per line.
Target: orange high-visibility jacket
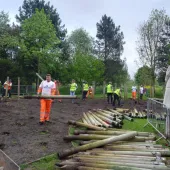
x,y
7,85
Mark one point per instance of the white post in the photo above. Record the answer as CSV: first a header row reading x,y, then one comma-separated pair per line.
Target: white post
x,y
18,87
6,92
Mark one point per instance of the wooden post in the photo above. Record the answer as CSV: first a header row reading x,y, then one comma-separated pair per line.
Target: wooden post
x,y
104,88
168,124
125,92
18,87
94,87
6,92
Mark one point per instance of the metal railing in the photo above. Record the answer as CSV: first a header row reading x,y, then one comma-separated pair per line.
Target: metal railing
x,y
158,117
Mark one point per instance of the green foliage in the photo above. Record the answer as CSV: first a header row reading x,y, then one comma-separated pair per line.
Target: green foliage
x,y
150,33
109,48
29,8
86,67
143,76
38,41
80,41
110,38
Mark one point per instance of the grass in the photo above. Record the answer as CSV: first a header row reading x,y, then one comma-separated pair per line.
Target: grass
x,y
46,163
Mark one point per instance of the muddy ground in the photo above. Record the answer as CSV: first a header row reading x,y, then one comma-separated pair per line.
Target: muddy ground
x,y
24,140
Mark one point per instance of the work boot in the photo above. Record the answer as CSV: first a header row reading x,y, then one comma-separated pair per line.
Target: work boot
x,y
48,122
41,123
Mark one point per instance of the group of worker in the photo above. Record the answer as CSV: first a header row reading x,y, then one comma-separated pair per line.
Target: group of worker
x,y
113,94
6,87
142,90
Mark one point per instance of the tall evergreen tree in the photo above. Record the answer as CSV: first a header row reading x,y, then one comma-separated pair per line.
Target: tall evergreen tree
x,y
110,38
110,47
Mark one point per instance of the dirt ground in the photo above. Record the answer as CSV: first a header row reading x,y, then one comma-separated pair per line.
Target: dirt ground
x,y
24,140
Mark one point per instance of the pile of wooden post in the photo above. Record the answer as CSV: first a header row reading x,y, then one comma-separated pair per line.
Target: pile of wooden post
x,y
100,119
134,113
157,115
102,145
114,149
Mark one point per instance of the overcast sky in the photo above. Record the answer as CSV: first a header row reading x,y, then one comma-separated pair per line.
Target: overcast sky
x,y
86,13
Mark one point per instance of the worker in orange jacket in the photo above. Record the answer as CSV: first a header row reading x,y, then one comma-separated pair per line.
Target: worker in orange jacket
x,y
47,87
57,84
7,85
90,92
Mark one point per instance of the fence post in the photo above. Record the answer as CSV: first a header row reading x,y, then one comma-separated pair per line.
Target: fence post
x,y
104,88
18,87
168,124
126,92
94,87
6,92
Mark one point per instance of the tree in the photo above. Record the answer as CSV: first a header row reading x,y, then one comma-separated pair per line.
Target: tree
x,y
38,43
110,39
148,43
87,67
110,46
29,8
163,52
84,65
143,76
8,49
80,41
8,40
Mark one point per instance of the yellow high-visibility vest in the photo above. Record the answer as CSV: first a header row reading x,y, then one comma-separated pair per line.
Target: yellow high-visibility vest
x,y
73,87
109,88
85,87
117,91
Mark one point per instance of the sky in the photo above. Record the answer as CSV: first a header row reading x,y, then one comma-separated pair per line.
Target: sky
x,y
129,14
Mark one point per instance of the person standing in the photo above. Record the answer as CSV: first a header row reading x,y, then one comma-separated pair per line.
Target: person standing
x,y
46,88
117,95
90,92
73,88
109,92
166,101
7,86
141,92
134,90
85,90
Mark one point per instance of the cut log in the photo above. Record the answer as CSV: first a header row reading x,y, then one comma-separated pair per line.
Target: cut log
x,y
96,144
85,125
49,97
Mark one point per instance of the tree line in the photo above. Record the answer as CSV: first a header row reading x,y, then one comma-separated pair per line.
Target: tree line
x,y
39,43
153,47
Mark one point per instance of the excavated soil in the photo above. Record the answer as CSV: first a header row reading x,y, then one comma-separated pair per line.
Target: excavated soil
x,y
24,140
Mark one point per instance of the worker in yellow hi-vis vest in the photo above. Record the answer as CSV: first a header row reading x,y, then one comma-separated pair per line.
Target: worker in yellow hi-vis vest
x,y
85,90
117,95
109,93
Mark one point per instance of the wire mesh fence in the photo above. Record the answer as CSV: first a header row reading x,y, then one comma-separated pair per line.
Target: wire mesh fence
x,y
158,116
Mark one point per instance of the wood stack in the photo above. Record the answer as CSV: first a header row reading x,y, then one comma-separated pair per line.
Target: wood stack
x,y
114,149
102,145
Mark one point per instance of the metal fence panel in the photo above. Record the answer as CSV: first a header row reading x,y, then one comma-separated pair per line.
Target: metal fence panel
x,y
158,116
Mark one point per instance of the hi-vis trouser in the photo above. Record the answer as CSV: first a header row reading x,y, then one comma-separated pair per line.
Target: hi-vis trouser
x,y
134,95
45,109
